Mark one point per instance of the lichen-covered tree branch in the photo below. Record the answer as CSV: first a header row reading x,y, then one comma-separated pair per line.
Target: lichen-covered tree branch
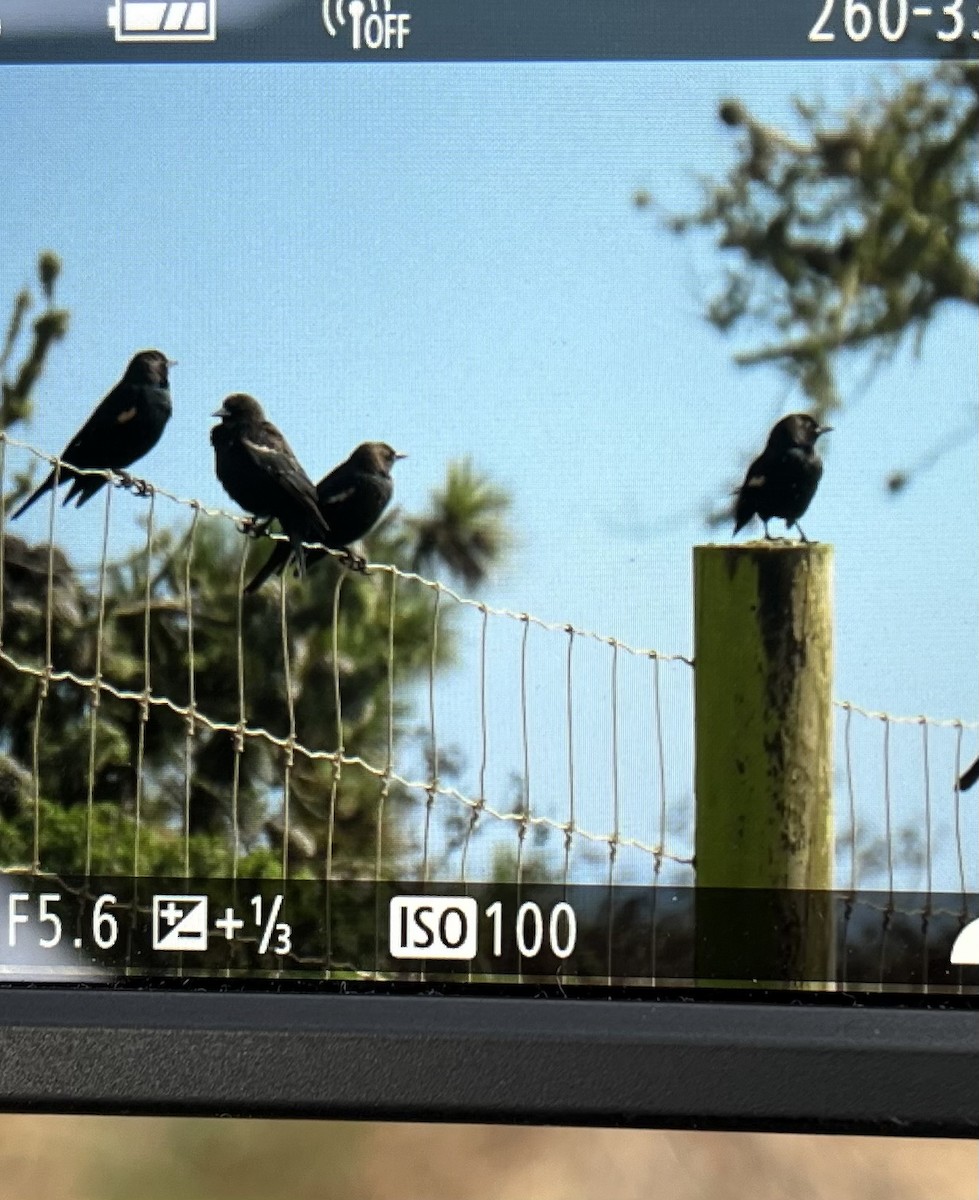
x,y
850,237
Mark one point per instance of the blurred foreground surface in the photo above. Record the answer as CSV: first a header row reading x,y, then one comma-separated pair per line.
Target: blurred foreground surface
x,y
101,1158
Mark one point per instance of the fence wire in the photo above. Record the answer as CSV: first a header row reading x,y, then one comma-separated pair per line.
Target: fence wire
x,y
400,729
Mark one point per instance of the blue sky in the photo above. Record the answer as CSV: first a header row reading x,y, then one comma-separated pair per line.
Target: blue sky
x,y
447,258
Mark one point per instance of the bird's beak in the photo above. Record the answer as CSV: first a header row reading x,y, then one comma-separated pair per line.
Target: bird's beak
x,y
221,412
398,454
821,429
172,362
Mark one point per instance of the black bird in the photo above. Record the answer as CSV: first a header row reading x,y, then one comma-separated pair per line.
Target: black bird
x,y
258,470
969,777
126,425
351,499
782,480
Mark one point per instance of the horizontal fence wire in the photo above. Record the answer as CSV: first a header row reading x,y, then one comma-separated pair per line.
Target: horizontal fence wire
x,y
383,725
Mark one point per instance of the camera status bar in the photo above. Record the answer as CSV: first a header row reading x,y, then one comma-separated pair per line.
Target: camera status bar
x,y
474,30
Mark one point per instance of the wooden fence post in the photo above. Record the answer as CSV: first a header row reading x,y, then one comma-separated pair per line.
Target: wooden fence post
x,y
763,649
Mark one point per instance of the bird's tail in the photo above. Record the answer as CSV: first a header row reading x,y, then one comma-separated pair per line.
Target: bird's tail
x,y
273,565
46,486
969,777
84,488
742,510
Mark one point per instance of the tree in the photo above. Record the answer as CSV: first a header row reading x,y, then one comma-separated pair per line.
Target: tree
x,y
851,238
213,707
17,386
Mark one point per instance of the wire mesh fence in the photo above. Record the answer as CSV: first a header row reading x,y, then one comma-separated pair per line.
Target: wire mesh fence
x,y
535,754
372,726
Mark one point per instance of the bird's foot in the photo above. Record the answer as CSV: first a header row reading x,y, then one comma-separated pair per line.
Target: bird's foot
x,y
354,562
802,536
253,527
139,487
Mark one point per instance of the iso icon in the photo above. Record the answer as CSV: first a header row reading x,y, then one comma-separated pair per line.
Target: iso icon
x,y
164,20
435,927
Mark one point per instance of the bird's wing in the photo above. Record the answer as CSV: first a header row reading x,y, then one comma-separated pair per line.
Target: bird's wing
x,y
337,480
272,453
744,505
83,445
87,447
758,473
338,497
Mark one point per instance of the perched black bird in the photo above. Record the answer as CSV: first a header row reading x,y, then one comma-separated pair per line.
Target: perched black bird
x,y
969,777
125,426
351,499
259,471
782,480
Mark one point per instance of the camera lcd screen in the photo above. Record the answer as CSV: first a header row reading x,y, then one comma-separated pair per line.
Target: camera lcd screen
x,y
489,497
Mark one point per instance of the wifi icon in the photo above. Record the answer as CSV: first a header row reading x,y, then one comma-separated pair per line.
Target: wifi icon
x,y
329,8
372,24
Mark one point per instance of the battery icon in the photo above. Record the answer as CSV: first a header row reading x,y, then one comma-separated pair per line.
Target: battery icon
x,y
159,21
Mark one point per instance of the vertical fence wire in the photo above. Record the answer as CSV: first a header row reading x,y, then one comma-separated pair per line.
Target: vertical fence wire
x,y
569,829
96,691
385,791
663,817
238,743
144,701
288,753
44,682
888,831
190,727
659,742
434,767
613,842
888,914
851,801
338,727
964,904
959,850
336,767
480,803
526,810
926,911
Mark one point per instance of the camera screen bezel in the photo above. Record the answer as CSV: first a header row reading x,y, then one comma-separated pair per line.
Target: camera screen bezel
x,y
707,1065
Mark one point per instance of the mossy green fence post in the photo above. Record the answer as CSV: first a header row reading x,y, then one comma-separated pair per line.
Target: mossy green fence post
x,y
763,682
